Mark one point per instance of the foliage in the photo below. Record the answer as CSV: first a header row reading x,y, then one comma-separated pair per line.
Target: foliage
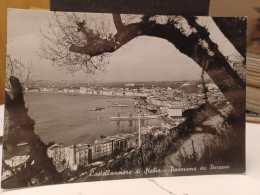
x,y
15,67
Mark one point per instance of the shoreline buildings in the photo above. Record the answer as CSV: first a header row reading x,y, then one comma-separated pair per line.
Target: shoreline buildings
x,y
84,154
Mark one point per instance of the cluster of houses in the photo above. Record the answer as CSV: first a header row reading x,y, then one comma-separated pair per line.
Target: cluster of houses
x,y
194,100
172,109
115,92
84,154
92,91
71,156
15,163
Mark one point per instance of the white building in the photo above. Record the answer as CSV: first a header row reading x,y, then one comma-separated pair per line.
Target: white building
x,y
71,90
57,153
17,161
129,93
175,110
63,157
78,154
82,90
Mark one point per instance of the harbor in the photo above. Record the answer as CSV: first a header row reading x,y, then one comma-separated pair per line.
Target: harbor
x,y
51,111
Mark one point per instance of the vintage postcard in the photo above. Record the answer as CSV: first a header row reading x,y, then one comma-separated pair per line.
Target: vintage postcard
x,y
93,97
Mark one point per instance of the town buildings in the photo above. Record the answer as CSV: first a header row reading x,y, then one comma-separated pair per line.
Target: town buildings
x,y
84,154
16,163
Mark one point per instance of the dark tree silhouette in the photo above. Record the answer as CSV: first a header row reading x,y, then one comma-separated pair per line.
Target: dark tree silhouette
x,y
17,113
237,37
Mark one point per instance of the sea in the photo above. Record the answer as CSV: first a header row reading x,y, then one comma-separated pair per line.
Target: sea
x,y
68,119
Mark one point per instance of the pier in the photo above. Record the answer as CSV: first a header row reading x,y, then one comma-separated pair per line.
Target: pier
x,y
131,118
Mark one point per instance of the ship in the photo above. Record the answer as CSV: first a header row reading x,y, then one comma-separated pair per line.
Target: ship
x,y
97,108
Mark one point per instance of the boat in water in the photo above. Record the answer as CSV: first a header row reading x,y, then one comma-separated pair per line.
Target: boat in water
x,y
97,108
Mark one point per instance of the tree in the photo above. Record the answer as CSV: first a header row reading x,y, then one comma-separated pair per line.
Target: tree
x,y
17,113
82,43
16,68
22,126
237,37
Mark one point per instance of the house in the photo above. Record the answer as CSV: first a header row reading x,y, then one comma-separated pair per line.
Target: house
x,y
82,90
78,154
175,110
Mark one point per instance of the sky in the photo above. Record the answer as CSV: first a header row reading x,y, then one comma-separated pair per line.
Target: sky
x,y
142,59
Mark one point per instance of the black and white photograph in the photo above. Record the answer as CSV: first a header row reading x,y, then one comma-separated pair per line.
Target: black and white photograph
x,y
102,96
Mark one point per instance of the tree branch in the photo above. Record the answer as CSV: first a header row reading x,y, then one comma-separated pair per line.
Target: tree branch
x,y
118,22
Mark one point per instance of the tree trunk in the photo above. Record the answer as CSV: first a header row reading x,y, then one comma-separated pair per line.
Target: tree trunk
x,y
18,114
